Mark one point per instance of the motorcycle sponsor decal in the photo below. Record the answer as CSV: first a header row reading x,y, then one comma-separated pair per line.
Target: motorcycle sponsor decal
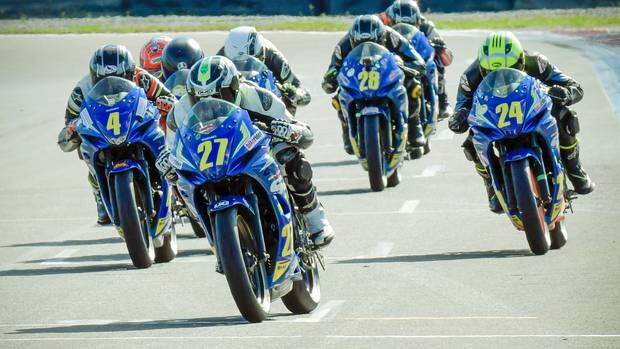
x,y
118,165
141,107
277,184
280,268
85,118
351,72
221,204
206,129
251,142
265,100
285,71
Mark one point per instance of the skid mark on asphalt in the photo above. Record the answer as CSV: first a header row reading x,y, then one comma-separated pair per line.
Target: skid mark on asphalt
x,y
323,311
60,257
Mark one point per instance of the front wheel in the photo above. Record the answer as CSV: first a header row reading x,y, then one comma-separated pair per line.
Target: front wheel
x,y
530,207
245,273
374,153
133,220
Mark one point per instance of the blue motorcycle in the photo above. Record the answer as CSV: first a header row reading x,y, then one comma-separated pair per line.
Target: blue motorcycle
x,y
228,176
176,83
516,138
374,104
419,41
120,141
256,71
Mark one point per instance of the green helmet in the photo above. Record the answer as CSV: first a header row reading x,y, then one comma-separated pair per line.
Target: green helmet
x,y
500,50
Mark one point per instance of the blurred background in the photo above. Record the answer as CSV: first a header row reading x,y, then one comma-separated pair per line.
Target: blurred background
x,y
11,9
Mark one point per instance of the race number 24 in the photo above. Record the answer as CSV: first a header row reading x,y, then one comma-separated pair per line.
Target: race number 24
x,y
512,112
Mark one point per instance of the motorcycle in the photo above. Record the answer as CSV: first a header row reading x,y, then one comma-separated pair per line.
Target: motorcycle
x,y
516,138
417,39
374,104
254,70
120,142
176,83
227,176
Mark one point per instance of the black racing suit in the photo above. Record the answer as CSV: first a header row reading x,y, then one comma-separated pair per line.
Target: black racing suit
x,y
277,63
539,67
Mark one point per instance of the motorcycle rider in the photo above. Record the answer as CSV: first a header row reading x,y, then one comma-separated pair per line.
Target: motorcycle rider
x,y
408,11
246,41
217,77
370,28
181,53
109,60
503,50
150,55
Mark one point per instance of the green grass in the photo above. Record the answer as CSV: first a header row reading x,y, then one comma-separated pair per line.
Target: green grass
x,y
318,24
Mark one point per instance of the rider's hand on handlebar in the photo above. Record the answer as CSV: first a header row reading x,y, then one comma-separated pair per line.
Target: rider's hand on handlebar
x,y
559,95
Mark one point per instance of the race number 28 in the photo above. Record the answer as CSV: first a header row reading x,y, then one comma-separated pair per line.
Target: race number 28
x,y
369,80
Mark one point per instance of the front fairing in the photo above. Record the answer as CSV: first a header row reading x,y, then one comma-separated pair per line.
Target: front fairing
x,y
176,83
254,70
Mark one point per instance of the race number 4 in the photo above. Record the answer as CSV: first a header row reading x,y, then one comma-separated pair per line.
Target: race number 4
x,y
114,123
369,80
205,148
513,111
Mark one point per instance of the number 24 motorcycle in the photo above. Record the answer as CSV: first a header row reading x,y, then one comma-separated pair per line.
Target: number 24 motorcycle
x,y
227,176
516,138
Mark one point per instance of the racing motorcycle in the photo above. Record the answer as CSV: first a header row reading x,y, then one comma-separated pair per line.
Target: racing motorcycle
x,y
120,141
516,138
254,70
176,83
227,176
374,104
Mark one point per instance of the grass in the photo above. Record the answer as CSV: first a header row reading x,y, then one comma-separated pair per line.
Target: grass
x,y
305,24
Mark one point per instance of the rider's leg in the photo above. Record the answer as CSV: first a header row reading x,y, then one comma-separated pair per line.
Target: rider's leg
x,y
348,148
102,214
470,154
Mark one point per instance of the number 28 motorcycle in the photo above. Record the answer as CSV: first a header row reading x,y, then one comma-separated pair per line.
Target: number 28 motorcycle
x,y
374,104
517,141
228,176
120,141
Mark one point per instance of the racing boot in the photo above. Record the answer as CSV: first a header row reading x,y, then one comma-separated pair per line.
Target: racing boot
x,y
102,214
494,204
416,138
445,109
348,147
321,232
576,173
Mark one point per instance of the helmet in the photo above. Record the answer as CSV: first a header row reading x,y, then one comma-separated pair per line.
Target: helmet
x,y
112,60
243,41
404,11
366,28
214,76
500,50
150,54
181,53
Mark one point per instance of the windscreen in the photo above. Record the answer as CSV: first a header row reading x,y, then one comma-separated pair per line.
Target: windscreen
x,y
502,82
208,114
110,90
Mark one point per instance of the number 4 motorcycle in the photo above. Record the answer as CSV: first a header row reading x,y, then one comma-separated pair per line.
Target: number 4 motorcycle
x,y
516,138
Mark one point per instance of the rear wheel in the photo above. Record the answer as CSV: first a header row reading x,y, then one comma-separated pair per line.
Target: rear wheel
x,y
374,153
530,207
394,179
306,293
559,235
168,250
133,220
245,273
198,231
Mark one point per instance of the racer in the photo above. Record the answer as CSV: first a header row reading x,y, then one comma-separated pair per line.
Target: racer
x,y
223,81
181,53
150,55
242,41
109,60
504,50
408,11
370,28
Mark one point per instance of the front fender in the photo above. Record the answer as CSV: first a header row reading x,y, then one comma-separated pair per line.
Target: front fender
x,y
123,166
519,154
230,201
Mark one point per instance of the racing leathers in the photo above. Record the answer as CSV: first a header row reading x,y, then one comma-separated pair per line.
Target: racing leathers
x,y
264,107
397,44
564,91
293,92
439,44
69,140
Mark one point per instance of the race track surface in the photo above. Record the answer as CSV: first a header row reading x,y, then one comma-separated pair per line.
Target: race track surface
x,y
424,264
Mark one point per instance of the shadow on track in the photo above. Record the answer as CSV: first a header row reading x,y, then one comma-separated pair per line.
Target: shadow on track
x,y
82,269
336,163
344,192
111,240
116,257
448,256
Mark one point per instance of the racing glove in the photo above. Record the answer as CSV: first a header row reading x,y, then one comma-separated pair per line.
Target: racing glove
x,y
163,165
559,95
297,95
296,133
330,84
165,103
68,139
458,121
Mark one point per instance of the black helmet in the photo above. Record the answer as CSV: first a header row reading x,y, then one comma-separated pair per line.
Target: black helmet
x,y
366,28
112,60
404,11
214,76
180,53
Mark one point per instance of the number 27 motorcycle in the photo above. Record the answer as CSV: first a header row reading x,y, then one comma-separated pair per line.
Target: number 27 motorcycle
x,y
227,176
374,104
120,141
516,138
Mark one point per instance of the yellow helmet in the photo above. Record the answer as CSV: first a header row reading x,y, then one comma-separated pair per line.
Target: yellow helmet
x,y
500,50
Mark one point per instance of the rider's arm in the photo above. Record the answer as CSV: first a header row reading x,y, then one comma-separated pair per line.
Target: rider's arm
x,y
151,85
74,103
539,66
341,50
275,61
468,84
399,45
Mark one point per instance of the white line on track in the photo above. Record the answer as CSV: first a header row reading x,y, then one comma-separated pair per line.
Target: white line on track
x,y
43,220
410,318
383,249
409,206
430,171
443,135
58,258
321,312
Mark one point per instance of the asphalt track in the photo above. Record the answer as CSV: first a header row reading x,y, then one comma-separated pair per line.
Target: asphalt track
x,y
424,264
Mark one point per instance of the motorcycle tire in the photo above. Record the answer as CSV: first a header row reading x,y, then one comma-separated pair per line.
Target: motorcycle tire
x,y
374,153
168,251
559,235
198,231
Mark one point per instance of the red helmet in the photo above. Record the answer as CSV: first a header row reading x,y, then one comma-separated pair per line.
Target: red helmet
x,y
150,54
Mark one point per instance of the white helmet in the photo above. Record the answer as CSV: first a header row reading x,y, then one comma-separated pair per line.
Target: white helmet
x,y
242,41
